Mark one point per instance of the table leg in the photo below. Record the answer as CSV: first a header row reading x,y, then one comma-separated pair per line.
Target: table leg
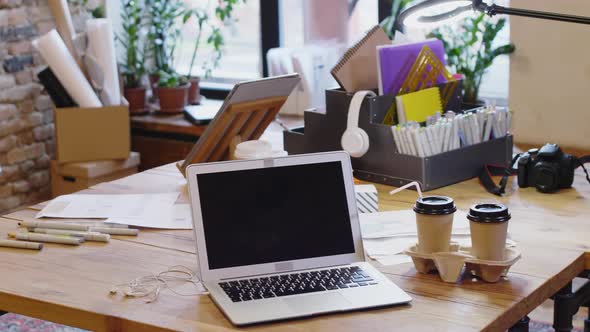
x,y
521,326
562,316
566,305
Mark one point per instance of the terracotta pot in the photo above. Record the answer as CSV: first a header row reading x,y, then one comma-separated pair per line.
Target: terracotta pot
x,y
173,100
154,78
136,99
194,92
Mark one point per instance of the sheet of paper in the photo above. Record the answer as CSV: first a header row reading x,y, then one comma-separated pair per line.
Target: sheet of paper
x,y
396,245
393,259
401,223
179,218
108,206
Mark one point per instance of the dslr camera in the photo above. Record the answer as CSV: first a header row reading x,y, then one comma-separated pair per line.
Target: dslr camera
x,y
548,169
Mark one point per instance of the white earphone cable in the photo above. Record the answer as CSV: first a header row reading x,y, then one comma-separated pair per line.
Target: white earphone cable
x,y
151,285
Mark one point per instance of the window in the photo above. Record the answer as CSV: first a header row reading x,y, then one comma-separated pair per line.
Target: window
x,y
343,21
241,58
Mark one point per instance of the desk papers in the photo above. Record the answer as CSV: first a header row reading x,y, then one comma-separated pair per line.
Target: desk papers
x,y
143,210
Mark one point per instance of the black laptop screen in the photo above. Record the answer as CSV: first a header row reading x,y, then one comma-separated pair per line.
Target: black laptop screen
x,y
274,214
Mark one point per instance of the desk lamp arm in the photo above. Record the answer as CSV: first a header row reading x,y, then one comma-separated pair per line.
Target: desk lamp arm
x,y
494,9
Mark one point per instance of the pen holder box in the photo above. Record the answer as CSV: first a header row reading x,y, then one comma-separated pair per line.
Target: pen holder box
x,y
89,134
382,163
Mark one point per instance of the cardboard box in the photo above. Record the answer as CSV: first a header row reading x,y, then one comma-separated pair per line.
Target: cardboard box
x,y
72,177
89,134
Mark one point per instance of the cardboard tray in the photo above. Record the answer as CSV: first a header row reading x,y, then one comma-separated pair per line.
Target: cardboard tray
x,y
383,163
450,264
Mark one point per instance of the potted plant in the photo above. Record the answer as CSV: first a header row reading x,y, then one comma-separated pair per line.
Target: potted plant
x,y
172,92
163,36
470,52
223,13
133,68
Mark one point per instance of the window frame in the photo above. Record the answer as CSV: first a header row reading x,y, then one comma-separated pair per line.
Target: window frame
x,y
270,35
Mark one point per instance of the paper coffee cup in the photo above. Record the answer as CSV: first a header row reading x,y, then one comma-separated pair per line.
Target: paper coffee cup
x,y
257,149
489,226
434,220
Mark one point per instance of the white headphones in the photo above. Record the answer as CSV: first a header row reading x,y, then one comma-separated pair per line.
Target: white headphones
x,y
355,140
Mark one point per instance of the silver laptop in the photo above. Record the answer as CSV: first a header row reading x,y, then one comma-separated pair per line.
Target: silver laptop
x,y
280,238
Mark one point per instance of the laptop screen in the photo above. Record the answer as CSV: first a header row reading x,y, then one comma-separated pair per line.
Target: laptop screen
x,y
269,215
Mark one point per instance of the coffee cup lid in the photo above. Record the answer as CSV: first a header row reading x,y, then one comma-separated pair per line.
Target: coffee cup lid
x,y
489,213
435,205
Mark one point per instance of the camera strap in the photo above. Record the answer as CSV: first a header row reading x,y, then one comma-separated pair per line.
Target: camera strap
x,y
580,163
489,170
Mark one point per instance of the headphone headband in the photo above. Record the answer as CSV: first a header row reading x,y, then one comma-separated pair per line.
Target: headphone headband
x,y
354,108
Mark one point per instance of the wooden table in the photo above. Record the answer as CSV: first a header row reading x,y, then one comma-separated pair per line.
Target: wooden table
x,y
70,285
162,139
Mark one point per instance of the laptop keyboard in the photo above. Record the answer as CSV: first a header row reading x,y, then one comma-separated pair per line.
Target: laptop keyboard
x,y
296,283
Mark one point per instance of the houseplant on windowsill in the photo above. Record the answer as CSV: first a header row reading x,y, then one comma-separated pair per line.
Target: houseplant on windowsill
x,y
164,19
470,52
223,15
172,92
133,68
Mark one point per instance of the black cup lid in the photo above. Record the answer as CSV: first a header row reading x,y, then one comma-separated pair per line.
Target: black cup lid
x,y
435,205
489,213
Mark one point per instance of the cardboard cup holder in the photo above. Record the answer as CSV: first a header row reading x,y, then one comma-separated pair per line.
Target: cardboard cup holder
x,y
450,264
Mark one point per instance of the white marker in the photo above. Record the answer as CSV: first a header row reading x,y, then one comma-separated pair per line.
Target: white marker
x,y
21,244
88,236
53,225
115,231
61,239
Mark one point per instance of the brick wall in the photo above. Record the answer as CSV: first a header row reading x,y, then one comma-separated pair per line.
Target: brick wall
x,y
26,116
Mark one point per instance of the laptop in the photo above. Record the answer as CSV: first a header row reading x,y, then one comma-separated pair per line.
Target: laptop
x,y
280,238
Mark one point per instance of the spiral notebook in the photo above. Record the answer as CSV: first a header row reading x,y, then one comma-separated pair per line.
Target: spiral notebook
x,y
357,69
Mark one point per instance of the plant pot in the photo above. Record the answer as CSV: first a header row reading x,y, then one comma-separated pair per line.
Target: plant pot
x,y
173,100
154,78
194,92
136,99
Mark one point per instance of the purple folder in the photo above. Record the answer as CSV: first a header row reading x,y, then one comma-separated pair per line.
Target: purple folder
x,y
395,62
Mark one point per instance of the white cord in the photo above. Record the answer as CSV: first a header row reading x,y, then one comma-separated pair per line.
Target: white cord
x,y
151,285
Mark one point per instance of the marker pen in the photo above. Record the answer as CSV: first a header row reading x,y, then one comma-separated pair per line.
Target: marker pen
x,y
53,225
21,244
61,239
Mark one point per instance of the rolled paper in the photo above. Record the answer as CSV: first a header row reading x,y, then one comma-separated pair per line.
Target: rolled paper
x,y
101,46
63,65
65,27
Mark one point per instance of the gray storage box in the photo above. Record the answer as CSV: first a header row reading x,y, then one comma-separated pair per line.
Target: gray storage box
x,y
382,163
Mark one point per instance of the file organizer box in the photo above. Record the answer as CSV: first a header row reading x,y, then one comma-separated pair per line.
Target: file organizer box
x,y
382,163
90,134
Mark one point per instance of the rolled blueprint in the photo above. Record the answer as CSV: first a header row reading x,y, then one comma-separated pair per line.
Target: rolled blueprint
x,y
63,65
101,46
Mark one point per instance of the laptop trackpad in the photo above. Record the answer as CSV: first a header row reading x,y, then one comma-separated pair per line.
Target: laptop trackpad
x,y
317,303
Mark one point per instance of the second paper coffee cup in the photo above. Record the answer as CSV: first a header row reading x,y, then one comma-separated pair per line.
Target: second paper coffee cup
x,y
489,225
434,220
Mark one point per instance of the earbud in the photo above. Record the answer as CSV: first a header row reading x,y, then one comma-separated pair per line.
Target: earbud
x,y
355,140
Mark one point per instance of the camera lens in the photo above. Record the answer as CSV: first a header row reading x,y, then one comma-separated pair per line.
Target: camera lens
x,y
546,177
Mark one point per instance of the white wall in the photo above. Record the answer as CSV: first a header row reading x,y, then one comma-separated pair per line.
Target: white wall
x,y
550,76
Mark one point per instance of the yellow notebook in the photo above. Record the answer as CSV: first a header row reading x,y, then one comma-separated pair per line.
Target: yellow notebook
x,y
417,106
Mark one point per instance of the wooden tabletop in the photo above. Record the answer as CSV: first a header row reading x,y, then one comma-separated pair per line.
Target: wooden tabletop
x,y
70,285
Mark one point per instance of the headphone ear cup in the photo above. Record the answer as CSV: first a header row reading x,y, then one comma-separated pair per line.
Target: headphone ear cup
x,y
355,141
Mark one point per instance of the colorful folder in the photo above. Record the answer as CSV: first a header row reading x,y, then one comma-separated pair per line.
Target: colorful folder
x,y
395,61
